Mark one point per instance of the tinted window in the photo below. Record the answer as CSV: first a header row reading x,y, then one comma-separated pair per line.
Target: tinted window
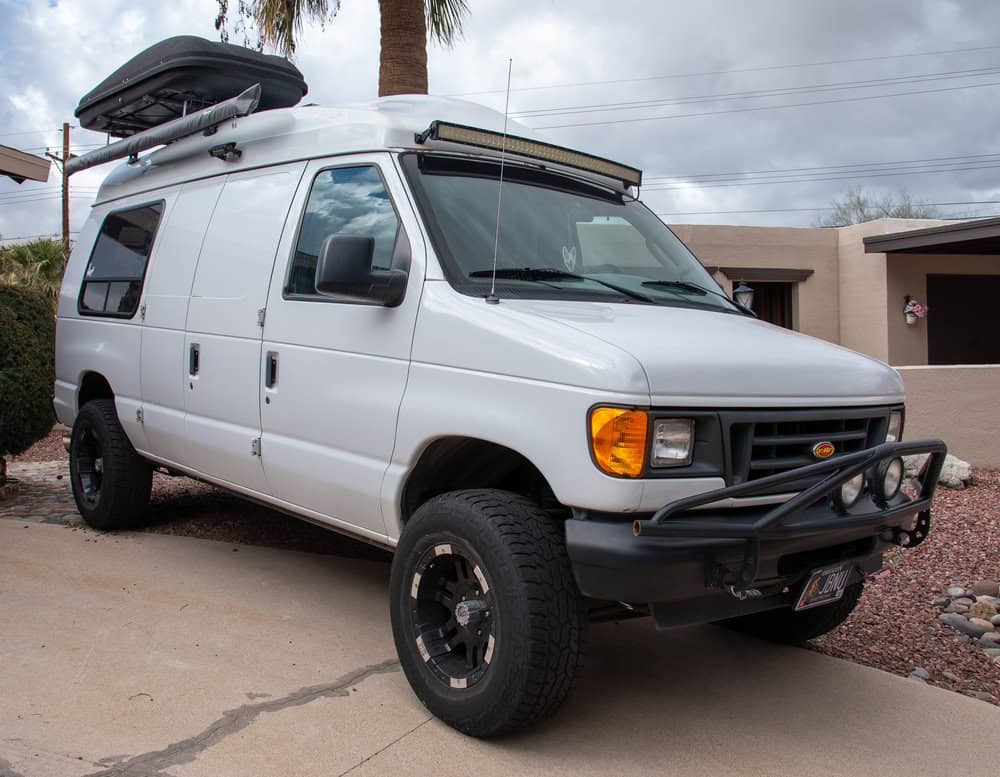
x,y
343,201
112,283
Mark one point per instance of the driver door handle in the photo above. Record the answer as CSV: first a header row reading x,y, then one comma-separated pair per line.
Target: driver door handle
x,y
271,370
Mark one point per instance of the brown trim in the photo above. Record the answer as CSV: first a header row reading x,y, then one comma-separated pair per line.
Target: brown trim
x,y
763,274
21,166
947,238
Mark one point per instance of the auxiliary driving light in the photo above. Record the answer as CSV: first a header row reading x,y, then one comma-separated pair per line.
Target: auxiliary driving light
x,y
848,493
888,479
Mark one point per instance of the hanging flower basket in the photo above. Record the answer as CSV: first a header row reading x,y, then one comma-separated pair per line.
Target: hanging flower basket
x,y
913,311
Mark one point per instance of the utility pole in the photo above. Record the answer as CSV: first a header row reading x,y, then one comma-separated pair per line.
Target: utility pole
x,y
65,188
61,161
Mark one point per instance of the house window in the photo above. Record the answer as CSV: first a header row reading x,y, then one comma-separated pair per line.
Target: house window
x,y
772,302
343,201
112,282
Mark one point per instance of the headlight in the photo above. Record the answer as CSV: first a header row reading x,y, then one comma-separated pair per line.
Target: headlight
x,y
618,438
895,432
673,441
849,492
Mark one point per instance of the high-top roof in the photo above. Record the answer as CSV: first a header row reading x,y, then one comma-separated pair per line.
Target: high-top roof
x,y
287,134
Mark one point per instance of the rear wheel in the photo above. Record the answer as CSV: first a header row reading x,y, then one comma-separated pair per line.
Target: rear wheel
x,y
111,482
793,628
486,616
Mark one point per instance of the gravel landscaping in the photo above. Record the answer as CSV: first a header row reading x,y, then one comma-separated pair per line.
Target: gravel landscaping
x,y
896,626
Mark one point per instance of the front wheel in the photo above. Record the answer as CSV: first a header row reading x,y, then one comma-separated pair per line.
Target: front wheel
x,y
486,616
794,628
111,482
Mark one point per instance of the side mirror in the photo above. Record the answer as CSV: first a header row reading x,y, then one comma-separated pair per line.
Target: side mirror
x,y
344,269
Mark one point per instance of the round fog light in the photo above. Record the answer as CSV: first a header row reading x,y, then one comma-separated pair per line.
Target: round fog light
x,y
890,477
849,492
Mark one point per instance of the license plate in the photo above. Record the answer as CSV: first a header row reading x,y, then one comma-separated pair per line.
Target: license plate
x,y
825,585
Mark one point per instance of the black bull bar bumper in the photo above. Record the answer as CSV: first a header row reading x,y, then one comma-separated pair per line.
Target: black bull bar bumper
x,y
687,548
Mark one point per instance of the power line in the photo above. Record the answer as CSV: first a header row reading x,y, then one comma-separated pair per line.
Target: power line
x,y
811,210
46,190
726,72
30,132
820,167
768,107
46,198
54,235
870,174
760,93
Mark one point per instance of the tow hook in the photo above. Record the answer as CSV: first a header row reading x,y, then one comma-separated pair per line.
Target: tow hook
x,y
910,539
744,593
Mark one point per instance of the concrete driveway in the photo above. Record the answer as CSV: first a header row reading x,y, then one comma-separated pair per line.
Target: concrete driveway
x,y
142,655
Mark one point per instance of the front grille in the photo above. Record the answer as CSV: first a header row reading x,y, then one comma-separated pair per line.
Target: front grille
x,y
768,442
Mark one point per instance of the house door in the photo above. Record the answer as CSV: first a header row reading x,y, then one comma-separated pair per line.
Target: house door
x,y
960,329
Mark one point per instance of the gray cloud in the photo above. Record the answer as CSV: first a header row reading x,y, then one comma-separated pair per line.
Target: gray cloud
x,y
53,54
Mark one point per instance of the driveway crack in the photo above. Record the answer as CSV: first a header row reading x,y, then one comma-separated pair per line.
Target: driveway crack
x,y
234,720
381,750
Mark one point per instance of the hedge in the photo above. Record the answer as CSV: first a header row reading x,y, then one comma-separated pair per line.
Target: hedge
x,y
27,371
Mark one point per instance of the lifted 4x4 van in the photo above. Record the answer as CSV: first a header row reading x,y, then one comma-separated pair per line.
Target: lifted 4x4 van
x,y
553,421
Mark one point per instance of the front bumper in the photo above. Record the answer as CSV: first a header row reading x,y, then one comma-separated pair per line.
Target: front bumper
x,y
715,563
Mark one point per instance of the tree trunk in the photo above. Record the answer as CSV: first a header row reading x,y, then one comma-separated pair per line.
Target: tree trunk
x,y
3,470
403,61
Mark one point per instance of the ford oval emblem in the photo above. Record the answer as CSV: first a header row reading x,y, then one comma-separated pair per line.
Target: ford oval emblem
x,y
824,450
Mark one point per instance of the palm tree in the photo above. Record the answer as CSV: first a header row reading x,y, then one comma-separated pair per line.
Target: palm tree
x,y
404,23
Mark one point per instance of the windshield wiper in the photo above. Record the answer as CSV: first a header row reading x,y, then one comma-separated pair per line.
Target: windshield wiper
x,y
696,289
542,274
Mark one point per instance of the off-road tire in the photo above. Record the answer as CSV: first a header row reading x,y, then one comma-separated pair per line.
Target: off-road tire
x,y
541,618
125,478
794,628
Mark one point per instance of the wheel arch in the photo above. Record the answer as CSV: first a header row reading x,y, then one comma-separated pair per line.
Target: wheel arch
x,y
93,385
457,463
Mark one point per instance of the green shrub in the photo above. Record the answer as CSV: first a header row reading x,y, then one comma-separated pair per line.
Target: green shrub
x,y
27,372
37,264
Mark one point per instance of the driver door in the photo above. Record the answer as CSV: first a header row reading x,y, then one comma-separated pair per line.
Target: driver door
x,y
334,371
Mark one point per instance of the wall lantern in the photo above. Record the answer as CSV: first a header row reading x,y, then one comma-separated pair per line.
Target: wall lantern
x,y
743,294
913,310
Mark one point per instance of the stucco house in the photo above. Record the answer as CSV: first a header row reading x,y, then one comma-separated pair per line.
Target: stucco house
x,y
850,285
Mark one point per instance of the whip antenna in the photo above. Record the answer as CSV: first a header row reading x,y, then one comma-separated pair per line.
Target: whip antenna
x,y
492,297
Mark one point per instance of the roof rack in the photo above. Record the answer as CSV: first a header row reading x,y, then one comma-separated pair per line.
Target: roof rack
x,y
206,119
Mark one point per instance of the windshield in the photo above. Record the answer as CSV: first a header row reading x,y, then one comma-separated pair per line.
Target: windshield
x,y
559,238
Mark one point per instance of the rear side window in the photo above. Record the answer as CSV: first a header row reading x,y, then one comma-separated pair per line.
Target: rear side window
x,y
112,282
343,201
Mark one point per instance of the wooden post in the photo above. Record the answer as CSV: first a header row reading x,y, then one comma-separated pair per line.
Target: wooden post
x,y
65,187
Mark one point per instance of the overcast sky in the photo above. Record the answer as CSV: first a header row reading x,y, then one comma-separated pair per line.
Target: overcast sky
x,y
718,68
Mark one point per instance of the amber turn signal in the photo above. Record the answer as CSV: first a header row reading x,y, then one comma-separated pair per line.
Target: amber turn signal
x,y
618,438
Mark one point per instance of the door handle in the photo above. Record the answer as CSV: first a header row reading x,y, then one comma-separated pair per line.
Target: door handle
x,y
271,370
194,359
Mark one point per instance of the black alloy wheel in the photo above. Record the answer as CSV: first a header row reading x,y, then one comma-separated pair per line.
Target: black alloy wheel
x,y
88,474
452,613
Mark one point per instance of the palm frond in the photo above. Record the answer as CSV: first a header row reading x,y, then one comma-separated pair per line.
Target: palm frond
x,y
278,23
444,19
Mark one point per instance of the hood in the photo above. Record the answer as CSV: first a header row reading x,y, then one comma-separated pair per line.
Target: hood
x,y
697,357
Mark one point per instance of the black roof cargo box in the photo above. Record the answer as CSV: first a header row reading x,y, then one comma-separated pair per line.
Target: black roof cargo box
x,y
184,74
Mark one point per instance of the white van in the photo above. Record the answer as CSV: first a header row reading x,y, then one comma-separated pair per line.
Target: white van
x,y
300,306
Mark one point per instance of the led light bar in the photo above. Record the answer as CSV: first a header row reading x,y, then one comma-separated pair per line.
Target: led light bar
x,y
472,136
